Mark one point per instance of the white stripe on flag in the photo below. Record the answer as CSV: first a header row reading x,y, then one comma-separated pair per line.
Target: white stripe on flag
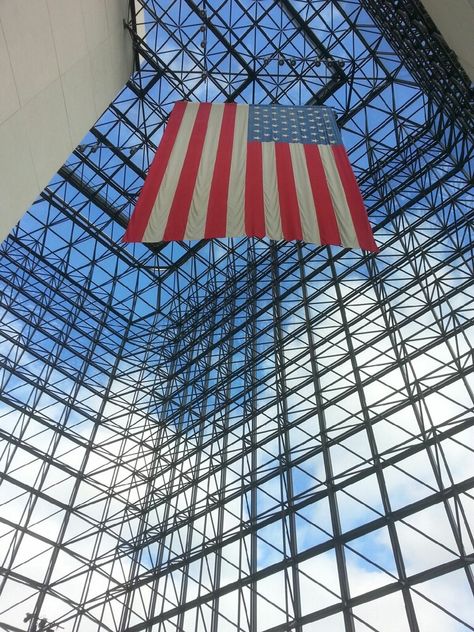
x,y
339,201
270,192
309,222
236,196
196,225
161,208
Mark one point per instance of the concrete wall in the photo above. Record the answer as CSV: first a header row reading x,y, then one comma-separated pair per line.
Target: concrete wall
x,y
455,21
61,64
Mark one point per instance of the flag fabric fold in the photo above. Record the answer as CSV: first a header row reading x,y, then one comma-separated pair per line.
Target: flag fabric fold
x,y
228,170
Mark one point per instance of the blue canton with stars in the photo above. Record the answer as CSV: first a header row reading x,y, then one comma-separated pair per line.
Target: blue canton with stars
x,y
288,124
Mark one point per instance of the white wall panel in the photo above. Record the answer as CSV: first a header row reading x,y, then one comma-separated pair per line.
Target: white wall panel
x,y
9,100
46,120
61,64
29,38
18,183
70,43
455,21
78,90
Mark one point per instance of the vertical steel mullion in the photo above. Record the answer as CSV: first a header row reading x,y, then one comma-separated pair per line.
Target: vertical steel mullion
x,y
434,461
98,540
32,499
88,450
253,435
410,610
202,424
143,524
190,530
126,610
332,499
222,484
285,438
378,287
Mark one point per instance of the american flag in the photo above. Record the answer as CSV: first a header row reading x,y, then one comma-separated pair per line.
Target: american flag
x,y
227,170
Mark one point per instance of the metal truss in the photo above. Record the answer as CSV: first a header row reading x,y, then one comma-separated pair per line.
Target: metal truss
x,y
242,435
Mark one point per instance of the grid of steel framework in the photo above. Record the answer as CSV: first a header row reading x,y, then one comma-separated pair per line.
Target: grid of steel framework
x,y
243,435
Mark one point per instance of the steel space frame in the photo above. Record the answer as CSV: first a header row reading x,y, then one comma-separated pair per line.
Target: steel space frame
x,y
244,435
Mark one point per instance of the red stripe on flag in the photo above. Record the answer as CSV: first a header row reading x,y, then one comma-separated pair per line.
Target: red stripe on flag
x,y
289,207
141,215
328,230
254,204
354,199
216,220
179,211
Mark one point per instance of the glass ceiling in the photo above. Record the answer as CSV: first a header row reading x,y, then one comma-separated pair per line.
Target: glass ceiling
x,y
246,435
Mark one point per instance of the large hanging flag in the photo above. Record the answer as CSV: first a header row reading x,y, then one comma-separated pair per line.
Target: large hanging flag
x,y
227,170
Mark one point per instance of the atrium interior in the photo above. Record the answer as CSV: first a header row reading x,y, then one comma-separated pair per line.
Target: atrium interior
x,y
243,435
